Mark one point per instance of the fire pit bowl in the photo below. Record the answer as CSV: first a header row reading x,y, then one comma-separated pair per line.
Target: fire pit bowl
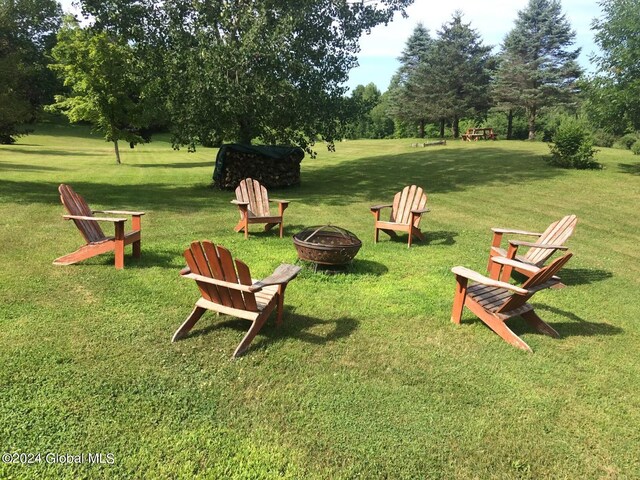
x,y
326,245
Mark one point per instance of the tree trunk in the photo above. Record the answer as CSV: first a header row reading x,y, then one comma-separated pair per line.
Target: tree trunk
x,y
455,126
421,128
117,150
245,133
442,128
510,124
531,117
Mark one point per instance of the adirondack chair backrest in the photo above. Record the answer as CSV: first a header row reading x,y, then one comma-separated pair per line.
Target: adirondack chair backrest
x,y
76,205
410,198
252,192
556,234
543,275
209,260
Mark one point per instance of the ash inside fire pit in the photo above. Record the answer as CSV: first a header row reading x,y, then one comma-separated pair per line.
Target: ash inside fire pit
x,y
326,245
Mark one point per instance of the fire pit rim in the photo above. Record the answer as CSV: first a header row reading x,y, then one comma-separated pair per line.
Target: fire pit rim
x,y
327,254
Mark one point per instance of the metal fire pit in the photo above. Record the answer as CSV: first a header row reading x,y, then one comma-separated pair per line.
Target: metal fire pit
x,y
326,245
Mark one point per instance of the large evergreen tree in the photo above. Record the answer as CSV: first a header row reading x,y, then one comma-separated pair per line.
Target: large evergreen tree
x,y
405,100
455,79
537,67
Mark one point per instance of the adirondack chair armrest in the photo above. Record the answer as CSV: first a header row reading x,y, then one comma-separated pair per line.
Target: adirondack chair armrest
x,y
215,281
380,207
279,201
478,278
120,212
515,232
94,219
280,276
549,246
516,264
420,211
239,203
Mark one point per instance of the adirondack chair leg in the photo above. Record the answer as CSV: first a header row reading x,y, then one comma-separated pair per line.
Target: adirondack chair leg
x,y
84,252
458,299
540,325
280,312
119,245
281,228
251,334
188,324
376,233
505,332
136,225
507,269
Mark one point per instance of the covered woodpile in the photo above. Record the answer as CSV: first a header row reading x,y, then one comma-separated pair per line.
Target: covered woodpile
x,y
272,166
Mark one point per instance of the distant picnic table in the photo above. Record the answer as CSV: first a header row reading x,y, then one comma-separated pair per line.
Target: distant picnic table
x,y
476,134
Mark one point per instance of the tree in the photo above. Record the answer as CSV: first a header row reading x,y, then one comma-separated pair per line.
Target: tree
x,y
27,33
104,76
614,93
264,69
537,68
455,79
406,103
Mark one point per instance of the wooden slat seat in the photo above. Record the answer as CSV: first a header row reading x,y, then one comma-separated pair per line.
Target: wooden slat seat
x,y
253,201
226,287
538,253
495,301
96,241
406,212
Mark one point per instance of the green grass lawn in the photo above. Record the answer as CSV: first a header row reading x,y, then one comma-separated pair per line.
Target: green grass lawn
x,y
367,378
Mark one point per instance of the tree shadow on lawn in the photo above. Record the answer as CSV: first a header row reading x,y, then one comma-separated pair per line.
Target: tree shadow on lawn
x,y
372,179
630,168
210,163
57,153
294,327
380,178
20,167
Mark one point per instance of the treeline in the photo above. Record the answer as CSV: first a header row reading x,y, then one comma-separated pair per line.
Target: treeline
x,y
451,81
275,72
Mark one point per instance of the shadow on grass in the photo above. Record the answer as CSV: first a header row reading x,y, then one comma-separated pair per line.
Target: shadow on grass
x,y
21,167
371,179
210,163
44,151
431,238
257,230
150,258
294,327
354,268
583,276
578,327
630,168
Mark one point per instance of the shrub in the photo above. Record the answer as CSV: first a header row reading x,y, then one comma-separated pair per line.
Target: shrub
x,y
635,148
573,146
626,141
602,138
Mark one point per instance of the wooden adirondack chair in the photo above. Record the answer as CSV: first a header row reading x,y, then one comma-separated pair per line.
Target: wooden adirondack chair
x,y
253,201
229,289
97,241
495,302
406,212
549,241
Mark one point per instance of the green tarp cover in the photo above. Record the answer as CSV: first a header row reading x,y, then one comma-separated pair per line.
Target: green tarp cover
x,y
275,152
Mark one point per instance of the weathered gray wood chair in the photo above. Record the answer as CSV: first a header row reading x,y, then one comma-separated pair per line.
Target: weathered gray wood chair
x,y
253,201
226,287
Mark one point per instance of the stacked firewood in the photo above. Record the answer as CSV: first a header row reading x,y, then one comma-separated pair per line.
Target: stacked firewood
x,y
270,172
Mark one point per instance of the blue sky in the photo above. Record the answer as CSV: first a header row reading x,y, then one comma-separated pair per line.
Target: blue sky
x,y
491,18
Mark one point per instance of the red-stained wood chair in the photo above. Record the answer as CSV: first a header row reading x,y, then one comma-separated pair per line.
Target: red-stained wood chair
x,y
548,242
495,302
97,242
406,212
253,201
226,287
